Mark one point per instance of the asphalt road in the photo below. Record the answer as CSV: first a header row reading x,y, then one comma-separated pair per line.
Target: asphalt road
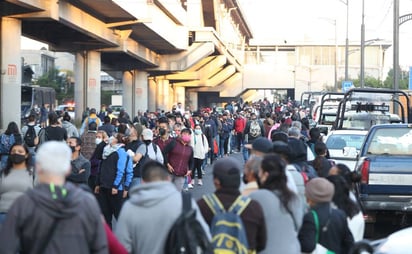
x,y
208,186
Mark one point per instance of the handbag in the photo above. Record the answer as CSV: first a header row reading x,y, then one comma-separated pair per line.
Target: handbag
x,y
319,249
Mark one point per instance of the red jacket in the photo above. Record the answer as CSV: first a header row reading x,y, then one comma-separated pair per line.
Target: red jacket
x,y
240,124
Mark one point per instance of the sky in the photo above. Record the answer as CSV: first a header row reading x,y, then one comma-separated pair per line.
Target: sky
x,y
297,21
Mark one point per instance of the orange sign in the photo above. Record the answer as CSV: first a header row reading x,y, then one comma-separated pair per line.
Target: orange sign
x,y
92,82
139,91
12,70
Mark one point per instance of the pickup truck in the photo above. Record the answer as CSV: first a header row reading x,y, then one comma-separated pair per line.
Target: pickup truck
x,y
385,166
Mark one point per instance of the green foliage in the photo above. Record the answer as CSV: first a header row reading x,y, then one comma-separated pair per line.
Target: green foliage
x,y
106,97
387,83
61,82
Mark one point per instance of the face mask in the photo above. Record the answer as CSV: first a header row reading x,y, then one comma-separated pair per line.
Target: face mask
x,y
186,138
17,158
73,148
244,178
162,131
198,132
98,141
187,116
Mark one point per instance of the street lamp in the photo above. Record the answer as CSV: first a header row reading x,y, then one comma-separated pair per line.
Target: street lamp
x,y
347,39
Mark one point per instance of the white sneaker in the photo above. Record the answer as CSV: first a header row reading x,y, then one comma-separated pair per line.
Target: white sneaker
x,y
192,182
185,189
190,186
199,182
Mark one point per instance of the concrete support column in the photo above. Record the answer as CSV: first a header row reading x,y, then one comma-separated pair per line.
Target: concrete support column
x,y
10,66
152,95
128,84
163,94
141,91
180,96
193,103
88,85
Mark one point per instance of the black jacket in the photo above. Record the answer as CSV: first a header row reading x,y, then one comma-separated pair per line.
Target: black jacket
x,y
337,236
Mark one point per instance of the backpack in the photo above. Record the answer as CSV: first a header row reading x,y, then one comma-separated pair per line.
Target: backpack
x,y
255,130
6,142
30,138
227,229
137,171
306,170
187,236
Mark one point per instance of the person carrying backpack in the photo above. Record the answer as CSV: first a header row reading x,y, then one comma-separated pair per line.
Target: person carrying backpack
x,y
30,134
254,129
151,211
7,139
91,118
227,205
146,151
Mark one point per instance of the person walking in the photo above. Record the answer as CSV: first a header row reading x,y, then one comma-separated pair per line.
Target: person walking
x,y
226,178
281,207
16,178
149,201
80,170
7,139
180,158
200,150
114,178
54,216
322,224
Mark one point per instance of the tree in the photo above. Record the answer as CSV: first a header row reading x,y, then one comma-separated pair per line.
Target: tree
x,y
60,81
403,79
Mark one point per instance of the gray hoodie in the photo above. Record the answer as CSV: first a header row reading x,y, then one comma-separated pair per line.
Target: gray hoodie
x,y
146,218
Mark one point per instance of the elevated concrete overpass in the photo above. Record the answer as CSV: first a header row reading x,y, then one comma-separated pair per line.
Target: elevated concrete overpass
x,y
164,50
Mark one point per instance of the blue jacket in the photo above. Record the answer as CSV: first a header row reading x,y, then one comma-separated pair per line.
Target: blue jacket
x,y
121,177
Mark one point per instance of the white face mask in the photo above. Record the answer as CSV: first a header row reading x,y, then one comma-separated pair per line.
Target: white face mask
x,y
98,141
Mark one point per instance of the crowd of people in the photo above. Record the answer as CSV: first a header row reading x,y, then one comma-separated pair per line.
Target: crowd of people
x,y
114,185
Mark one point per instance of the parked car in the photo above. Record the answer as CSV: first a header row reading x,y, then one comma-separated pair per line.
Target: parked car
x,y
65,108
398,242
344,146
385,166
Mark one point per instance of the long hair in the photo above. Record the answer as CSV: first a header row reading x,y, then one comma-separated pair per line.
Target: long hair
x,y
341,197
12,128
275,166
27,161
320,150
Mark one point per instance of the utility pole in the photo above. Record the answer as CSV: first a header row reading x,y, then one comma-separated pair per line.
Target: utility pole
x,y
395,49
362,62
346,40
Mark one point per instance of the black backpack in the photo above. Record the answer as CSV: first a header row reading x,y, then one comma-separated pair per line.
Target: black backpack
x,y
137,171
187,235
30,136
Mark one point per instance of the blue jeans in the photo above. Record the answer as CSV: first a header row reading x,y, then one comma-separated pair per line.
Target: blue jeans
x,y
135,181
2,218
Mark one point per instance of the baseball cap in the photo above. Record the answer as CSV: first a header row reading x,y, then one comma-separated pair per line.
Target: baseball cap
x,y
147,134
260,144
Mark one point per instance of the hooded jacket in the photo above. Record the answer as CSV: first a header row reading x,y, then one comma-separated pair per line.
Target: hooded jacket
x,y
79,227
147,217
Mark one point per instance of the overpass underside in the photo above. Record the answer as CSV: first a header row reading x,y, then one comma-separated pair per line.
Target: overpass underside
x,y
148,43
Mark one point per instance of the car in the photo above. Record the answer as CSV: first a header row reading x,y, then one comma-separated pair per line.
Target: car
x,y
397,242
66,108
344,146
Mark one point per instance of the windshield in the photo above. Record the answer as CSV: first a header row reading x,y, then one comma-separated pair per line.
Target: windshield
x,y
339,141
392,141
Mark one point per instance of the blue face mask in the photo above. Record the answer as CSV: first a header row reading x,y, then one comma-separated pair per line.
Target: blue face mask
x,y
198,132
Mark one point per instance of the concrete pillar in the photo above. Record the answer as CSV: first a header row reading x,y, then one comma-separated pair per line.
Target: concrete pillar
x,y
88,85
93,80
10,66
180,96
152,95
141,91
80,85
193,103
163,94
128,83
